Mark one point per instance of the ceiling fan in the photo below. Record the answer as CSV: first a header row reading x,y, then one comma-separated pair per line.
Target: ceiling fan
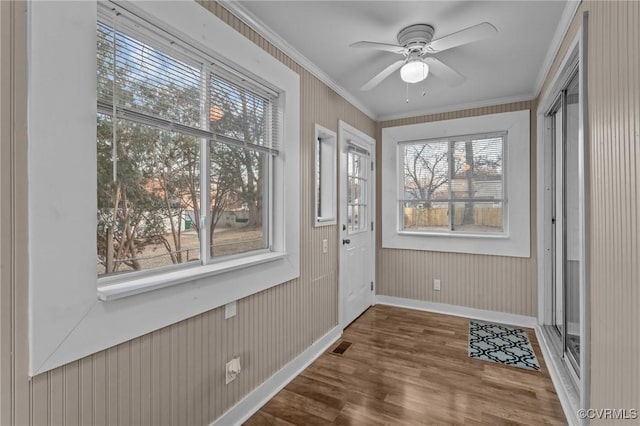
x,y
416,45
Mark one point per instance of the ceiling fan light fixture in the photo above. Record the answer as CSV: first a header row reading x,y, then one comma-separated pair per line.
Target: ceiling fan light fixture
x,y
414,71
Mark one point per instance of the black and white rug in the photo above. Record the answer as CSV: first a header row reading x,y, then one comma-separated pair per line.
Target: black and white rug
x,y
501,343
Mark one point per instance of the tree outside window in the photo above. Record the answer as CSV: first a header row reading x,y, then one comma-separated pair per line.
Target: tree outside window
x,y
453,185
168,111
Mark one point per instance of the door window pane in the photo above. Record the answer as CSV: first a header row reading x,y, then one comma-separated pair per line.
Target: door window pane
x,y
572,223
357,190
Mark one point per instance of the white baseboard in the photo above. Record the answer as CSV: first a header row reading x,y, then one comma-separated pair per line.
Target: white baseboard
x,y
560,379
251,403
459,311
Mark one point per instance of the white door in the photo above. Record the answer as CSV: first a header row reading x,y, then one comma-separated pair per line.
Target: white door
x,y
357,220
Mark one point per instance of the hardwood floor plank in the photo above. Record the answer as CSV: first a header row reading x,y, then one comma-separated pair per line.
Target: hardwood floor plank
x,y
262,418
324,393
284,409
327,412
407,367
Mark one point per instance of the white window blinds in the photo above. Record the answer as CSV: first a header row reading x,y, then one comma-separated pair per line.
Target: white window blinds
x,y
453,184
154,79
456,169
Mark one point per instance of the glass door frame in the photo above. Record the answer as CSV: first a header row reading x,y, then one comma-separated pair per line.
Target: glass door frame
x,y
557,108
573,390
559,252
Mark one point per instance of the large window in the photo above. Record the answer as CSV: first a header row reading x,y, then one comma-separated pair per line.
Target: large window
x,y
453,185
182,177
184,151
459,185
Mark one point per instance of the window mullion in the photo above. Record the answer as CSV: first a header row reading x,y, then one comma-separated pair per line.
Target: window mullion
x,y
268,189
452,207
205,158
114,118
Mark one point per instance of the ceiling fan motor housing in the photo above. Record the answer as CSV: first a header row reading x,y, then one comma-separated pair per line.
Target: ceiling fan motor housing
x,y
415,36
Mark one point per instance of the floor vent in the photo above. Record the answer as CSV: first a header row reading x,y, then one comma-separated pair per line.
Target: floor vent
x,y
341,348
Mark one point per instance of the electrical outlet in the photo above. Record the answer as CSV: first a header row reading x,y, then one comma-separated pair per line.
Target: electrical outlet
x,y
232,369
325,246
436,284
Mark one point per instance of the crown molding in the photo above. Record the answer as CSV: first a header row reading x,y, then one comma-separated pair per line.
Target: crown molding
x,y
238,10
568,13
457,107
261,28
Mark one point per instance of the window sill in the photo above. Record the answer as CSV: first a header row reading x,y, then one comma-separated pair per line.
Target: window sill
x,y
454,235
128,288
324,221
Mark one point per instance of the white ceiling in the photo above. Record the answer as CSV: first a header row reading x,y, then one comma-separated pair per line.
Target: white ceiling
x,y
507,67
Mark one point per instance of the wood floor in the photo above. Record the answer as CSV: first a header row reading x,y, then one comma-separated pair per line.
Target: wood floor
x,y
407,367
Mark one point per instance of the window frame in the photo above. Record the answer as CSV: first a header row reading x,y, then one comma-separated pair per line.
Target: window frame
x,y
367,171
515,240
325,177
128,283
67,320
449,201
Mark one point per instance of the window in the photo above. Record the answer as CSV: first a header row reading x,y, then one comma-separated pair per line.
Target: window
x,y
459,185
66,319
357,189
177,114
453,185
325,177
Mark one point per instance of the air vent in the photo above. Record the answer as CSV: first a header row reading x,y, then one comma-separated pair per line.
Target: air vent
x,y
341,348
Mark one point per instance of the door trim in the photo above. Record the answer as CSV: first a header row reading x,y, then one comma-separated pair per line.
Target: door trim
x,y
343,129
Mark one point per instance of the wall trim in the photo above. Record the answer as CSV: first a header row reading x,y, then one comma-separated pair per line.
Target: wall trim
x,y
514,240
253,401
236,8
457,107
67,322
458,311
558,37
261,28
559,377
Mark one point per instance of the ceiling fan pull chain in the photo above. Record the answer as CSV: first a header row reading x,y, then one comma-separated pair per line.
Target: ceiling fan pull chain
x,y
407,101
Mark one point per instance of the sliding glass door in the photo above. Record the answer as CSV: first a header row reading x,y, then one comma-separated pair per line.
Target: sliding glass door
x,y
566,236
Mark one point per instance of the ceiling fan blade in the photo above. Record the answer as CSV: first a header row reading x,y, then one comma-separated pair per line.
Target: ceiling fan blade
x,y
378,46
382,75
443,71
468,35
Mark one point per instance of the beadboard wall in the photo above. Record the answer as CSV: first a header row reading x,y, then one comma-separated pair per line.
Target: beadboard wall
x,y
614,193
614,114
173,376
614,232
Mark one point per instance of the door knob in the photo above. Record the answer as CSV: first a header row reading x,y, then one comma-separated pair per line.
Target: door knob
x,y
346,242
